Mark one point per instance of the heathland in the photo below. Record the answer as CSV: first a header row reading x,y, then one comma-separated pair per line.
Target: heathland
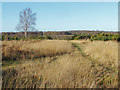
x,y
53,63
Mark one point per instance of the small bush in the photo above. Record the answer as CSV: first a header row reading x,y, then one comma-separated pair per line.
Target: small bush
x,y
41,37
48,37
73,37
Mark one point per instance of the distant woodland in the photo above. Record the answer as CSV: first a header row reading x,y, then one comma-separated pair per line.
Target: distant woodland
x,y
63,35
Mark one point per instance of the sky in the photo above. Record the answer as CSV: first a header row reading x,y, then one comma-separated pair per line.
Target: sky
x,y
63,16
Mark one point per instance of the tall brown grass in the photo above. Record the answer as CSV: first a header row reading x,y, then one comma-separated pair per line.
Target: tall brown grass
x,y
34,48
67,71
104,52
104,58
70,70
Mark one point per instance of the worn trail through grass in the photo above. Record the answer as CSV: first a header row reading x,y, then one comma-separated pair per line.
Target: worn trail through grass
x,y
105,74
72,70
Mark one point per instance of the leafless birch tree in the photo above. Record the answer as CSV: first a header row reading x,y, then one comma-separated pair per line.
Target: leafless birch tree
x,y
26,21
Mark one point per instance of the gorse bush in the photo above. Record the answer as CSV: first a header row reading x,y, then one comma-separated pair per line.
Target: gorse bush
x,y
73,37
116,37
77,37
99,36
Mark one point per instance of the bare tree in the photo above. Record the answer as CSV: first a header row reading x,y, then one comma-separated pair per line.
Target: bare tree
x,y
27,21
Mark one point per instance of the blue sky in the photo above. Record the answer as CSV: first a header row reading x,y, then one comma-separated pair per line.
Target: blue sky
x,y
63,15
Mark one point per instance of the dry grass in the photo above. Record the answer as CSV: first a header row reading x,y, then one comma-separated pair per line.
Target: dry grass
x,y
105,52
34,49
102,55
70,70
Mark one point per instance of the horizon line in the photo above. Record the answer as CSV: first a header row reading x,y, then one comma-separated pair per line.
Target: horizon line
x,y
63,30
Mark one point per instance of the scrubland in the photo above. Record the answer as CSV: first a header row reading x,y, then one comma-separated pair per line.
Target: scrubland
x,y
60,64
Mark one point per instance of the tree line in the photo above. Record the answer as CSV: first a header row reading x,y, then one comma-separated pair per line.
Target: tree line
x,y
99,36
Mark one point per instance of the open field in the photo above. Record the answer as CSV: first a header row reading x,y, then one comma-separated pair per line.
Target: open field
x,y
106,52
34,49
103,52
60,64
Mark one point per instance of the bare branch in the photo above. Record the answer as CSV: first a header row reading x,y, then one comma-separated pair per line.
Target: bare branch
x,y
27,20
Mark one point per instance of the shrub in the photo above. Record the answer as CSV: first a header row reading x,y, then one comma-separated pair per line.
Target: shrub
x,y
73,37
92,37
68,33
116,37
0,37
97,38
41,37
105,38
76,38
9,38
88,36
16,38
3,37
48,37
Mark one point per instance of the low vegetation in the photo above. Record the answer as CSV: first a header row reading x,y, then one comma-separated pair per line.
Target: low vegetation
x,y
103,57
101,36
66,64
105,52
31,49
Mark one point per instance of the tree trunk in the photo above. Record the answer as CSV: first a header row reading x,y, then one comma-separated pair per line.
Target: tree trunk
x,y
25,33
